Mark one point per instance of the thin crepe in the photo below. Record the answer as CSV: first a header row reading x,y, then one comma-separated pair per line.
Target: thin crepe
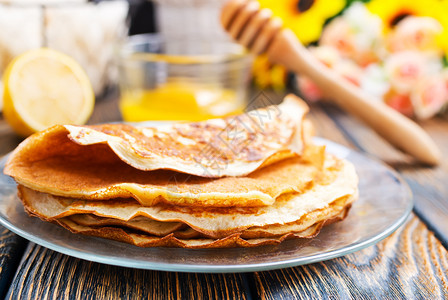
x,y
171,240
338,180
147,226
232,146
115,179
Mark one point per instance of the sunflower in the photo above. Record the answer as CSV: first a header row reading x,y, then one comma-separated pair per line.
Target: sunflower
x,y
444,16
305,18
392,12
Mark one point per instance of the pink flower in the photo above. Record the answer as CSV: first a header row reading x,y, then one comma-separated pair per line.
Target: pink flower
x,y
400,102
444,75
416,33
405,69
349,71
356,35
338,34
309,89
428,96
329,57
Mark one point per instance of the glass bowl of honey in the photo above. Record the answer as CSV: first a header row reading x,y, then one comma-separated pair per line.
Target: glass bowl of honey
x,y
182,79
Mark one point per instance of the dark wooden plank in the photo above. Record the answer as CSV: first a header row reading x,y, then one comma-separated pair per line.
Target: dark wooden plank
x,y
428,184
55,276
11,249
9,140
106,109
326,128
51,275
11,245
410,264
377,148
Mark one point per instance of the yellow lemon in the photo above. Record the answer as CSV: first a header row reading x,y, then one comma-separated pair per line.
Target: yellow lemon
x,y
43,87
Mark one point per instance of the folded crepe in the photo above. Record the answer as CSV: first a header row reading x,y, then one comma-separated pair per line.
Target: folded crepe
x,y
232,146
263,183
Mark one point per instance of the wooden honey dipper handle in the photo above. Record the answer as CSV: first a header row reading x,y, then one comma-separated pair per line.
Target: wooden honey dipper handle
x,y
257,30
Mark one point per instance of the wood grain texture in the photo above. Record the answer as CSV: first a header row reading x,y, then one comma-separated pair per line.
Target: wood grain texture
x,y
410,264
11,249
12,246
8,139
45,274
428,184
106,109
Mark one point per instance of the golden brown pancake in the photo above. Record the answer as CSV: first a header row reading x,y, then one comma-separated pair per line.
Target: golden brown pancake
x,y
235,182
143,225
99,180
232,146
74,162
144,232
172,240
337,181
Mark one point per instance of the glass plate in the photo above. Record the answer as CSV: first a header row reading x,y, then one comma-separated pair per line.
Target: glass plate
x,y
385,201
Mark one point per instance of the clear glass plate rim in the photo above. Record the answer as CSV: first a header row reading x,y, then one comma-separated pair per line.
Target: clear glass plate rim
x,y
174,267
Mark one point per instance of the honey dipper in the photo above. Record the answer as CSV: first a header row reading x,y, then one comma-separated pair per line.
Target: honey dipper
x,y
256,29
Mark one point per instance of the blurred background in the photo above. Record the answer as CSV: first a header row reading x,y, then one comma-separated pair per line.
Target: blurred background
x,y
173,61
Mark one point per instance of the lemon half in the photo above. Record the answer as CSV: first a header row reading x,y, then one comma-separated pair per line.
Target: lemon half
x,y
43,87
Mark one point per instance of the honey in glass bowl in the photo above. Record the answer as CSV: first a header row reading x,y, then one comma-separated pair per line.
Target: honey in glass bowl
x,y
182,79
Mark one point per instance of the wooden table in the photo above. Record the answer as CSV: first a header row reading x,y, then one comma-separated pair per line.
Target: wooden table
x,y
410,264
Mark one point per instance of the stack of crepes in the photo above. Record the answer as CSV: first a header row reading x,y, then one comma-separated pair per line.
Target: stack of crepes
x,y
240,181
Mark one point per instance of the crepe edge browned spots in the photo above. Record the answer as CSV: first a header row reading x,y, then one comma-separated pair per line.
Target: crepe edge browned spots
x,y
232,241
